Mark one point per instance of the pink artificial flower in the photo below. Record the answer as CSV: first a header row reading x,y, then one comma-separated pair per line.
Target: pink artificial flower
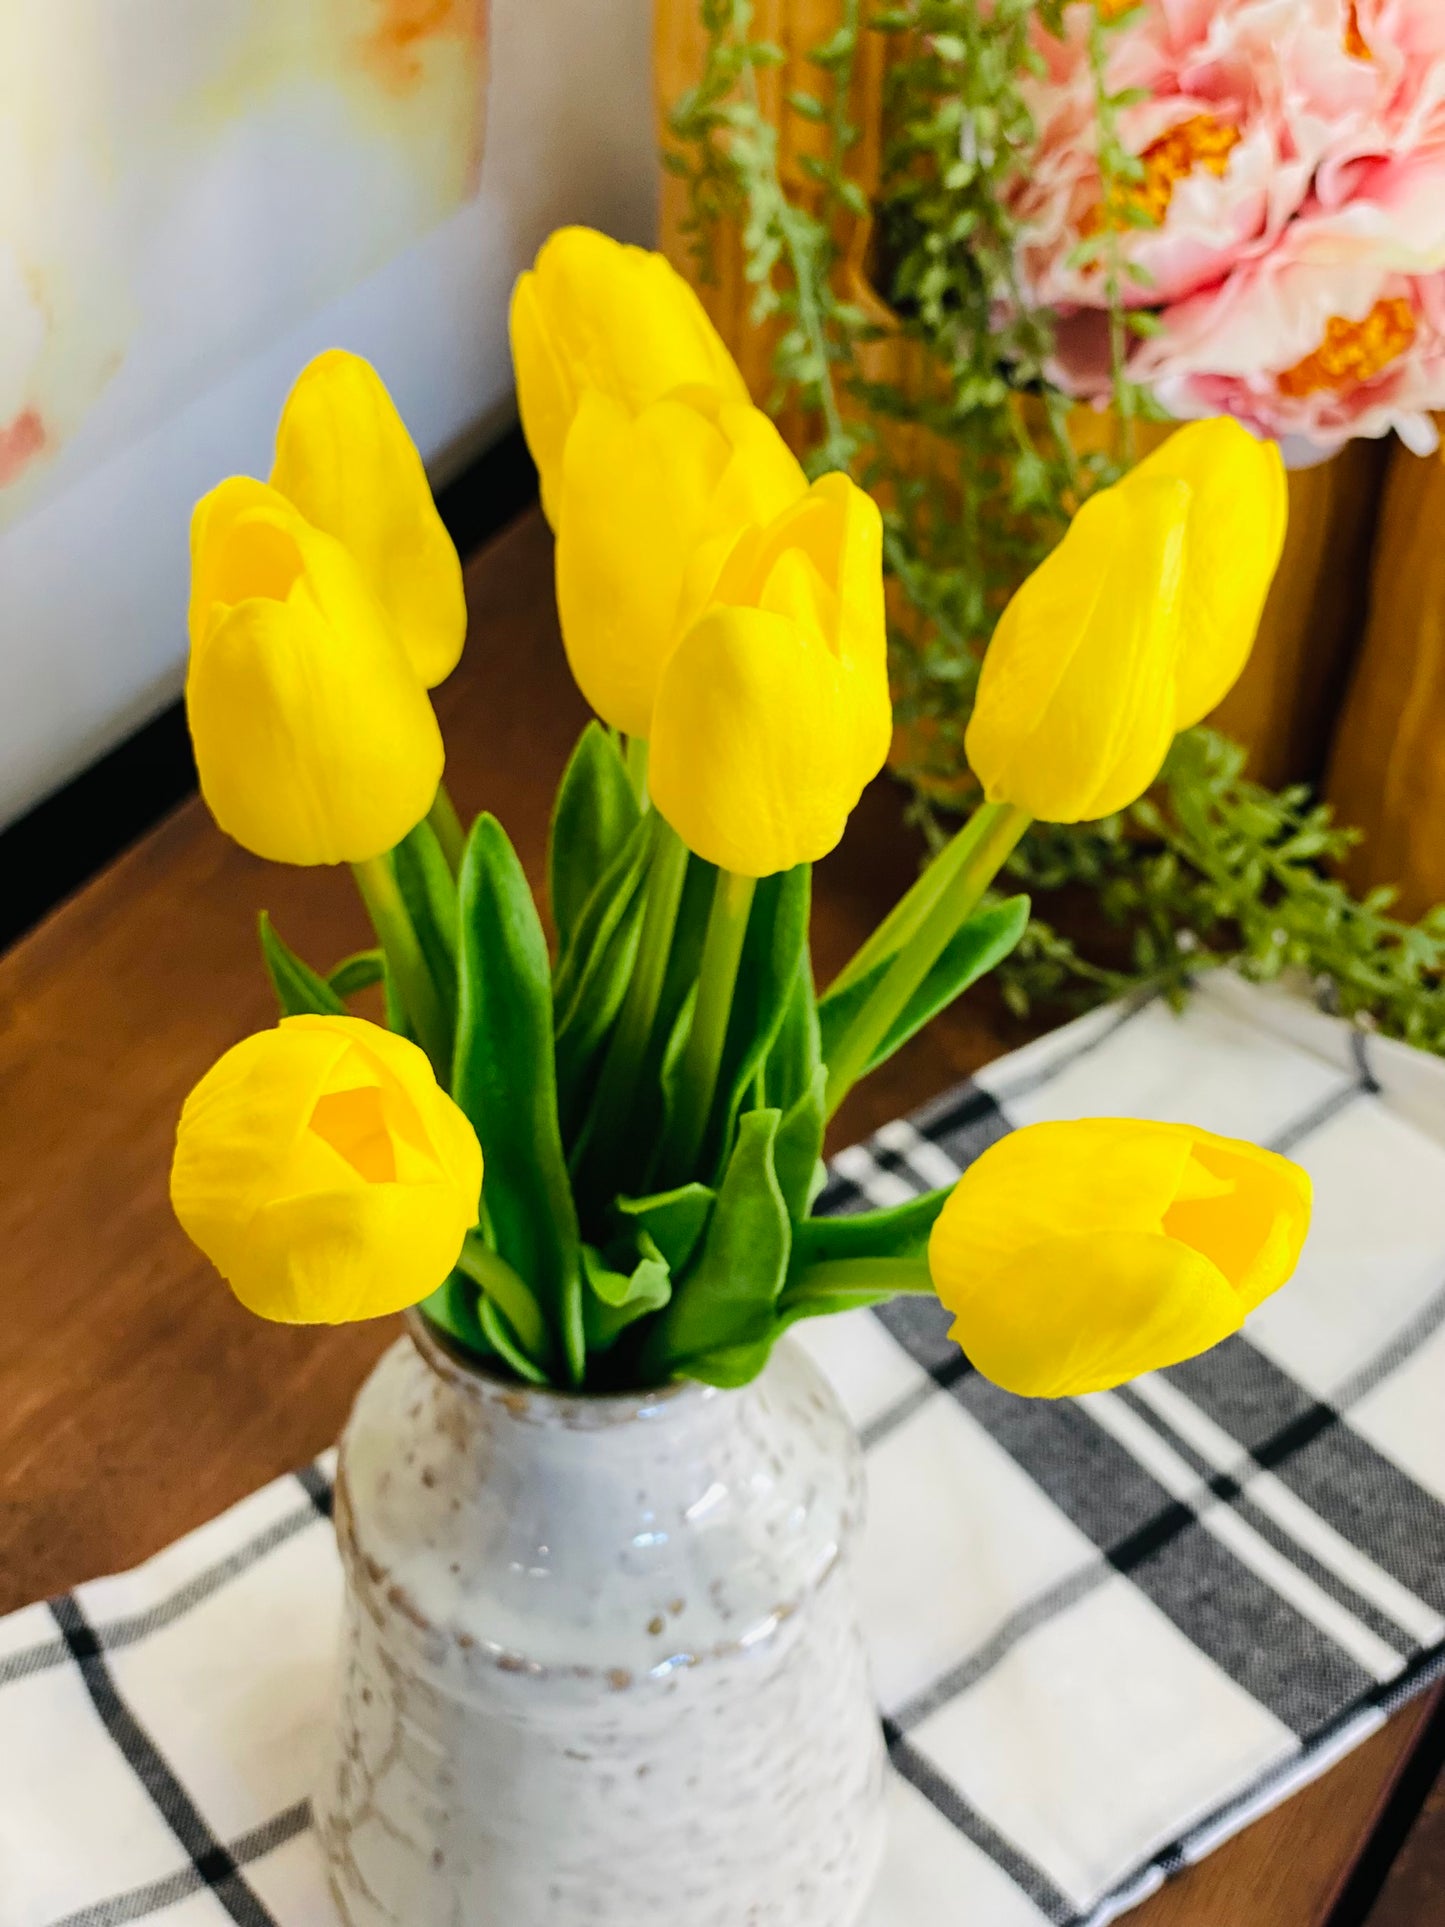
x,y
1294,159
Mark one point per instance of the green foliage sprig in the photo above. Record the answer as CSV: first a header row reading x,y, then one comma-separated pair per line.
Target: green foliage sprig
x,y
1213,869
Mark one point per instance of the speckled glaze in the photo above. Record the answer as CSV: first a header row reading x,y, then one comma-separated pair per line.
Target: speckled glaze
x,y
601,1662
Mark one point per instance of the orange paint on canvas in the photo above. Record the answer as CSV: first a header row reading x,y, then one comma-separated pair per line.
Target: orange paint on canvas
x,y
21,441
404,28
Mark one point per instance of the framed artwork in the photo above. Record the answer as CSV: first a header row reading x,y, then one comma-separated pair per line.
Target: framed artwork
x,y
183,180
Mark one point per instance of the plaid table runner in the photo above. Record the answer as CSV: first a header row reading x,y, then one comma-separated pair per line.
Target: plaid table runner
x,y
1106,1633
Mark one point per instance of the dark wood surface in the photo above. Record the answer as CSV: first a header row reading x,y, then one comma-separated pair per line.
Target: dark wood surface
x,y
137,1399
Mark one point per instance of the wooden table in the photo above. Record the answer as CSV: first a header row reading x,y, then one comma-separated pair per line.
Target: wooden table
x,y
137,1399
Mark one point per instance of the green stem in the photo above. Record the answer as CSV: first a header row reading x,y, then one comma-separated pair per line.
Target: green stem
x,y
498,1280
637,767
997,828
868,1278
448,827
722,949
604,1135
376,880
908,913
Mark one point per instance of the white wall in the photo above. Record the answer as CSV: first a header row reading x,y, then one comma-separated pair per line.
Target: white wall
x,y
93,581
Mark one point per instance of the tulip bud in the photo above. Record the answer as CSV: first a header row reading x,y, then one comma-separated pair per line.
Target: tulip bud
x,y
595,314
324,1173
773,711
314,737
344,458
651,505
1077,1255
1236,532
1078,699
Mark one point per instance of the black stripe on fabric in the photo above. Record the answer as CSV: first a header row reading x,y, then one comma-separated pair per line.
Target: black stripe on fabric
x,y
120,1633
1225,1487
1364,1496
1066,1059
839,1198
963,1123
215,1865
1421,1673
967,1820
1319,1115
142,1902
317,1487
1263,1644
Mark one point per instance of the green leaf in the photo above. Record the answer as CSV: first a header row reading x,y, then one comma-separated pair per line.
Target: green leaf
x,y
359,972
602,961
607,903
674,1220
504,1078
728,1297
899,1232
658,1093
494,1277
429,891
799,1150
616,1299
452,1308
396,1017
797,1050
730,1366
498,1332
300,991
984,941
774,952
595,813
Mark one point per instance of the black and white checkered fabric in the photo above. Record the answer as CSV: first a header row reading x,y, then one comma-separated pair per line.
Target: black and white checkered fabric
x,y
1106,1633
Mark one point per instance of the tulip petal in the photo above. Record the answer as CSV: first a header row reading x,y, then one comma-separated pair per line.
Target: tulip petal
x,y
1079,1314
1078,698
593,313
314,738
750,745
635,496
1078,1254
1236,534
1053,1180
325,1173
345,459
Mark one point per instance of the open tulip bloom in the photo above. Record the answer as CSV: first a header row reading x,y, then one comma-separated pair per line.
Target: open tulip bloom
x,y
594,1165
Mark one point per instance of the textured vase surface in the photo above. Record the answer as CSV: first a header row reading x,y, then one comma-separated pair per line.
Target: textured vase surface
x,y
601,1661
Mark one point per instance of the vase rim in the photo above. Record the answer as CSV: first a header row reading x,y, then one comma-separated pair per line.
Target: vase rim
x,y
579,1411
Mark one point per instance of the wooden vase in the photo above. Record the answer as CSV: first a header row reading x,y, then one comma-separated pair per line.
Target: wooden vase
x,y
1284,706
1387,770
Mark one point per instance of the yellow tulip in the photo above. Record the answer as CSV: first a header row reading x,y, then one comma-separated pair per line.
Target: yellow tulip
x,y
773,712
592,313
1077,1255
1134,628
324,1173
314,737
1232,549
1079,696
651,505
343,456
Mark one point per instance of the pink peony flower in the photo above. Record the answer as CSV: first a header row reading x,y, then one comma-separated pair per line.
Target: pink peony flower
x,y
1294,164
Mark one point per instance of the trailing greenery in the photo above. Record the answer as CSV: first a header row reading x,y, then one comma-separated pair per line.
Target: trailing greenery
x,y
1212,869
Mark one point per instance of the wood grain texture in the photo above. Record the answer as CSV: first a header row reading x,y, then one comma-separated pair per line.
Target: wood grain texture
x,y
1414,1892
137,1399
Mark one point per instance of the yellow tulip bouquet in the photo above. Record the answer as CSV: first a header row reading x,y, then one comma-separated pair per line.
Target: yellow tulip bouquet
x,y
596,1169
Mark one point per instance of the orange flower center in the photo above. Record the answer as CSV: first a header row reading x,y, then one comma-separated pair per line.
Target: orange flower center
x,y
1355,43
1353,352
1201,141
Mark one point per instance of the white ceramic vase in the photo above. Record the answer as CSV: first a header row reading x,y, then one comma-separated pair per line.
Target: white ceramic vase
x,y
601,1662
